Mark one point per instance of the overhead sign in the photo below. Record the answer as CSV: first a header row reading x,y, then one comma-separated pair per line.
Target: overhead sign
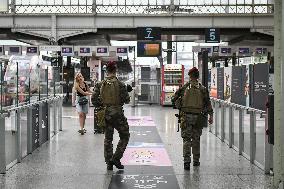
x,y
49,48
149,33
121,51
208,49
85,51
225,51
261,51
14,50
244,51
212,35
2,50
67,51
32,50
102,51
3,5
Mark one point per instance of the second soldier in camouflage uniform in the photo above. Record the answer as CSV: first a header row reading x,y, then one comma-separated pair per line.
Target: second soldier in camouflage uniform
x,y
112,95
192,121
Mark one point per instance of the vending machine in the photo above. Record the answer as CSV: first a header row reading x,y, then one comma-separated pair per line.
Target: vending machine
x,y
172,80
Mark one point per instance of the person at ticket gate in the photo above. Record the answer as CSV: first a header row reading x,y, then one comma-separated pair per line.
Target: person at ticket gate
x,y
194,104
112,94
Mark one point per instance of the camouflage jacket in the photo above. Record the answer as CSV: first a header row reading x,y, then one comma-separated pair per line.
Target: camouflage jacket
x,y
97,101
207,103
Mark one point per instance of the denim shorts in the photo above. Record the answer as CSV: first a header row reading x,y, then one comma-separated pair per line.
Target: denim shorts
x,y
81,108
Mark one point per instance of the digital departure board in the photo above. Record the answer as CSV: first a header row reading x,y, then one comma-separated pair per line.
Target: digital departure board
x,y
102,51
15,50
85,51
244,51
33,50
261,51
121,51
67,51
146,49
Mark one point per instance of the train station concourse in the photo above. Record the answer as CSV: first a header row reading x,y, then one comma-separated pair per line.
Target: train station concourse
x,y
141,94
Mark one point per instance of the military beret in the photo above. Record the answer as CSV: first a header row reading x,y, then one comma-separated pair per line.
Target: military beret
x,y
193,70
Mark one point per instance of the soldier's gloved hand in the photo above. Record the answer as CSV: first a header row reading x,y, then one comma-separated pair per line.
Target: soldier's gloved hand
x,y
129,88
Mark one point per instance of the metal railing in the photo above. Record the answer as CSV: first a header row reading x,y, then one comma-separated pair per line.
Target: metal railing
x,y
244,129
142,7
27,127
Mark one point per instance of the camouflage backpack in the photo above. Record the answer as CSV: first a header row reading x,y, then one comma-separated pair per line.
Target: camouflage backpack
x,y
110,92
193,99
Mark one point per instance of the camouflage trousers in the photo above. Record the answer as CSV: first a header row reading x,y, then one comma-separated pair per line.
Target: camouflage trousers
x,y
115,119
190,133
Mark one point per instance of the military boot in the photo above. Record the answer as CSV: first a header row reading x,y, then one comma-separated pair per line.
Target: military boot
x,y
118,164
186,165
110,166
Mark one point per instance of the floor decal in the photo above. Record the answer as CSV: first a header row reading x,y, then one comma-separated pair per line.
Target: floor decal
x,y
146,156
147,164
144,182
142,134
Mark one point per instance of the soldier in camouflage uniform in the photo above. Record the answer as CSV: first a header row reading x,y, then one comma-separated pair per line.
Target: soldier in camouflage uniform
x,y
112,95
193,119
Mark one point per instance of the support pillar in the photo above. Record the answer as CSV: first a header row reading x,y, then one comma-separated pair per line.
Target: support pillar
x,y
278,148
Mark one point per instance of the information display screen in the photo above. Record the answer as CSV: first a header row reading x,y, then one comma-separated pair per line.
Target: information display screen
x,y
121,50
261,51
102,50
15,50
146,49
85,50
67,51
32,50
226,50
244,51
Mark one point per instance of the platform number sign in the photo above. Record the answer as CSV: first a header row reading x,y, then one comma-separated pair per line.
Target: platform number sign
x,y
149,33
212,35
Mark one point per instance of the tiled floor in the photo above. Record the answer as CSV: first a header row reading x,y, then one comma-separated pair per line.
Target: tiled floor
x,y
70,160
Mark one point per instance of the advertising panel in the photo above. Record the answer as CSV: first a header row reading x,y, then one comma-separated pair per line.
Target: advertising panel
x,y
35,127
220,83
238,95
44,122
227,83
148,49
261,86
213,91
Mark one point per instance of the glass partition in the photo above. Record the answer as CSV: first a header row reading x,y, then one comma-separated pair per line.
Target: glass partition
x,y
10,138
236,132
227,123
260,139
246,130
43,91
24,132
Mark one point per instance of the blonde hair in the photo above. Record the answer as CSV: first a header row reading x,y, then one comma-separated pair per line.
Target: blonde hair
x,y
76,80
